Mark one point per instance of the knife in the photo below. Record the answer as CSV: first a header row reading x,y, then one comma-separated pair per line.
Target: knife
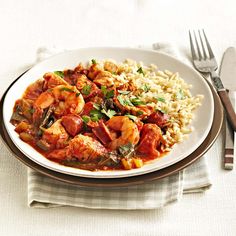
x,y
228,75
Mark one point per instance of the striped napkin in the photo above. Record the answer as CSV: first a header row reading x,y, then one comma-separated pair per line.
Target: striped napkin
x,y
45,192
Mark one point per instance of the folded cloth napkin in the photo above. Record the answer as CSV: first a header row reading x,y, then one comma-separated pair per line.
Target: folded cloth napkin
x,y
44,192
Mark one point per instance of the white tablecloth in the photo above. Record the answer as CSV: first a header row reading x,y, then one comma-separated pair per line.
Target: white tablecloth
x,y
26,25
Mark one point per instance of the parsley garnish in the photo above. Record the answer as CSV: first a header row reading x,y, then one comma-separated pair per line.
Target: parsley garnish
x,y
160,99
124,102
85,119
31,110
109,113
146,88
94,61
180,94
96,106
139,113
95,115
86,89
133,118
140,70
136,101
67,89
59,73
126,150
123,92
107,93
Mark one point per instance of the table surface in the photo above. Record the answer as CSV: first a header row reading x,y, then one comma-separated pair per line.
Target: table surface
x,y
27,25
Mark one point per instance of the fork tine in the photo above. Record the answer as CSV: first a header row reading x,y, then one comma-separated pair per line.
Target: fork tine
x,y
208,46
198,49
203,48
194,56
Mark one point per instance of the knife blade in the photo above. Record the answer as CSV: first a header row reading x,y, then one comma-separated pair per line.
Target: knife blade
x,y
228,76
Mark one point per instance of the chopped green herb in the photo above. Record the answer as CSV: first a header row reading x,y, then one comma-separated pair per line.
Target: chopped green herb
x,y
146,88
94,61
85,119
133,118
96,106
59,73
121,100
109,113
136,102
77,94
140,70
139,113
180,94
67,89
95,115
86,89
31,110
124,102
160,99
107,93
126,150
110,94
104,89
123,92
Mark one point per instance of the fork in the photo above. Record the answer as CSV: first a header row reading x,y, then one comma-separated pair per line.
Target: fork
x,y
205,62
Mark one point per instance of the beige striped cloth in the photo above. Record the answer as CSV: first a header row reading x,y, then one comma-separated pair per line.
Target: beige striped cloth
x,y
44,192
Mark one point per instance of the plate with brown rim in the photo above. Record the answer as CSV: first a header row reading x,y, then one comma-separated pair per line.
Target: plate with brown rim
x,y
202,121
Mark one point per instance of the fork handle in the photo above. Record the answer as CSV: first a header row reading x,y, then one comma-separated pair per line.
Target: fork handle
x,y
228,108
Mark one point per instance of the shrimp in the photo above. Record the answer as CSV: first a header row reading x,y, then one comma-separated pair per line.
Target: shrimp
x,y
105,78
129,131
52,80
111,67
86,149
66,99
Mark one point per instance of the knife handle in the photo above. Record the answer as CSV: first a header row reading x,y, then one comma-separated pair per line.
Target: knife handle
x,y
228,108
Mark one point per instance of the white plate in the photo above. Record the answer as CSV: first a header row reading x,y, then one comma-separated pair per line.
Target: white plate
x,y
203,115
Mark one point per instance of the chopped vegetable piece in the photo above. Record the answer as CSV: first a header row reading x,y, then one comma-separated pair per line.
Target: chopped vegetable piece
x,y
107,93
94,61
124,102
59,73
85,119
126,163
180,95
136,101
140,70
67,89
124,92
160,99
146,88
133,118
22,126
139,113
138,162
86,89
126,150
42,144
26,137
96,115
96,106
109,113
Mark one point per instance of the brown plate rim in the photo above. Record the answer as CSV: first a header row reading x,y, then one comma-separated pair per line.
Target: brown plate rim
x,y
126,181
